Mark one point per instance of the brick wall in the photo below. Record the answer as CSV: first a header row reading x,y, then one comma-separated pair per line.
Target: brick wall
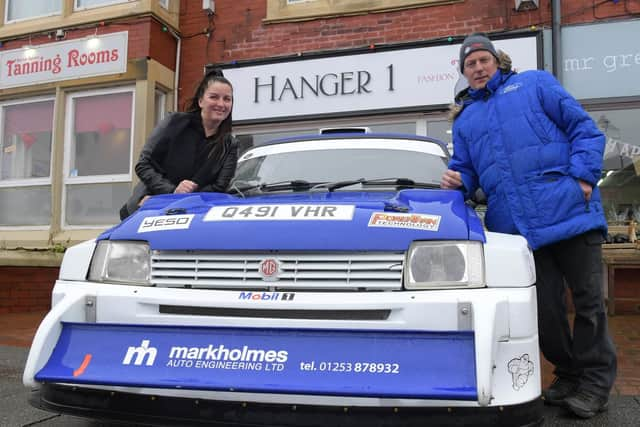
x,y
26,289
627,291
239,33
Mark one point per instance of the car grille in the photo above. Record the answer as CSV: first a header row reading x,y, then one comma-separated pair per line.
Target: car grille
x,y
365,271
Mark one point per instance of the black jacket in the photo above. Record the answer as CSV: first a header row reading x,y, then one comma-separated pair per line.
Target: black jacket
x,y
177,150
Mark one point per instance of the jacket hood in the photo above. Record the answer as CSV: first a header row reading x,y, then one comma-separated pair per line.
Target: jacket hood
x,y
301,221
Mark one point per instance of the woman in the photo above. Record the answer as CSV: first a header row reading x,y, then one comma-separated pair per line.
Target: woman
x,y
190,151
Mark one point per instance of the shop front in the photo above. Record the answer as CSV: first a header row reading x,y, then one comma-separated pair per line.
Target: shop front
x,y
396,88
80,89
601,68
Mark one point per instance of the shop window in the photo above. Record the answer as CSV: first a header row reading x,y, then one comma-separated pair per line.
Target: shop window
x,y
291,10
409,127
247,140
26,130
98,156
17,10
620,183
441,129
86,4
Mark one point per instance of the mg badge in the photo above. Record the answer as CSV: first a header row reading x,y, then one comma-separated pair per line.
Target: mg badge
x,y
270,269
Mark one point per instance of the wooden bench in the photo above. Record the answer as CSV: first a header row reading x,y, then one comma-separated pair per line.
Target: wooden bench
x,y
617,256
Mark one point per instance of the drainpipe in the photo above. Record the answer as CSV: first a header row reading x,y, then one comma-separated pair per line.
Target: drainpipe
x,y
556,47
176,76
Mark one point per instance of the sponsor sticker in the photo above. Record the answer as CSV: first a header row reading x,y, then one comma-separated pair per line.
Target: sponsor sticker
x,y
165,222
266,296
401,220
437,365
286,212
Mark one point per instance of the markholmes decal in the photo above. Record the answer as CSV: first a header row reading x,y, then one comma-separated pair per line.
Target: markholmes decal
x,y
399,220
141,353
70,59
264,359
210,357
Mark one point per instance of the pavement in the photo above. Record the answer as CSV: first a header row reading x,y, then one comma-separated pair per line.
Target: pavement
x,y
17,330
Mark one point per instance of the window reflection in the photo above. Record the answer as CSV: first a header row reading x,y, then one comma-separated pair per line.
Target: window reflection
x,y
620,182
102,135
26,140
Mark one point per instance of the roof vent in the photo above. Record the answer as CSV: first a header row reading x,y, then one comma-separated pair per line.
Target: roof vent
x,y
359,129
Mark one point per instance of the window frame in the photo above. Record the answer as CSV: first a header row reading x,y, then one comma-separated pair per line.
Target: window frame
x,y
68,180
284,11
46,15
77,8
31,182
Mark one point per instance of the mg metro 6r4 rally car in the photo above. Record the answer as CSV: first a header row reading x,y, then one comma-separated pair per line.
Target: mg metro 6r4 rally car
x,y
335,284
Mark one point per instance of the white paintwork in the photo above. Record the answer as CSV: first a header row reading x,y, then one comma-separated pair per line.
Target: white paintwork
x,y
347,144
76,260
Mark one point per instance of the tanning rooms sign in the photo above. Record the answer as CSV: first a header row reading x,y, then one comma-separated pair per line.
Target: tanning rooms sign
x,y
88,57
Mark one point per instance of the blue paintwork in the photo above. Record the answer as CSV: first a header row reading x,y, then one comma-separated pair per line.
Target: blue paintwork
x,y
430,365
458,222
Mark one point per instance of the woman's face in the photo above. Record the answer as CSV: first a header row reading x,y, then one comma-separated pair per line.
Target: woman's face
x,y
216,102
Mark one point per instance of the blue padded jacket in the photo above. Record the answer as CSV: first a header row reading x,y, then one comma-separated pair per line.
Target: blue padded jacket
x,y
525,141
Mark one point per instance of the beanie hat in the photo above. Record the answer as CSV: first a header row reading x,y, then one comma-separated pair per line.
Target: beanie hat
x,y
474,42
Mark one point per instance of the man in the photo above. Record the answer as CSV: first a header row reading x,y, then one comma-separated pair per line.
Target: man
x,y
537,155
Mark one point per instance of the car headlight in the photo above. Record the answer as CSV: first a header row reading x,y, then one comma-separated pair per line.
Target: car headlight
x,y
121,262
444,265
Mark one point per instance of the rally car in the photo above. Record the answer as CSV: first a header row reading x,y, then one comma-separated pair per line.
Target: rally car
x,y
334,284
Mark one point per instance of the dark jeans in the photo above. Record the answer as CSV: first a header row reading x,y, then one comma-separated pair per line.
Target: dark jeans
x,y
587,356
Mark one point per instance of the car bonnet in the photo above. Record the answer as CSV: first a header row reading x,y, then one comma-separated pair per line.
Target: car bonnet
x,y
339,221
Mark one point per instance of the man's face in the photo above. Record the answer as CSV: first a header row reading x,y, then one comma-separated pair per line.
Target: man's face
x,y
479,67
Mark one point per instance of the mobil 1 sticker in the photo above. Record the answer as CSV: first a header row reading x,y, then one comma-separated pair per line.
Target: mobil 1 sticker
x,y
280,212
165,222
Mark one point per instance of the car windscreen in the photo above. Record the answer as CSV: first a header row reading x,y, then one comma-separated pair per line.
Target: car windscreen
x,y
319,166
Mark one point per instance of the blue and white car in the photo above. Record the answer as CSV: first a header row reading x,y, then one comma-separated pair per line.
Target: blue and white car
x,y
335,282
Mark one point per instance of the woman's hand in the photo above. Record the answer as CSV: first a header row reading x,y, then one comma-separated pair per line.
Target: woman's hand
x,y
186,186
144,199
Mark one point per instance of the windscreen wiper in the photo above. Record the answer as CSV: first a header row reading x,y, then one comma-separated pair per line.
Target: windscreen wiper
x,y
296,184
397,182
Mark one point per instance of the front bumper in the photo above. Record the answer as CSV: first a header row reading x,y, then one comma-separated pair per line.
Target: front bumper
x,y
176,411
502,361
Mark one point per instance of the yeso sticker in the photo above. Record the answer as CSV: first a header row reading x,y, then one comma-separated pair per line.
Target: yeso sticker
x,y
280,212
400,220
165,222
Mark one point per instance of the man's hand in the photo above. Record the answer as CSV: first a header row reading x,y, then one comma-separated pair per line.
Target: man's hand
x,y
451,180
186,186
586,188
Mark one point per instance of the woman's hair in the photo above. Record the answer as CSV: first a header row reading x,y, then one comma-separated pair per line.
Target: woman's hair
x,y
192,104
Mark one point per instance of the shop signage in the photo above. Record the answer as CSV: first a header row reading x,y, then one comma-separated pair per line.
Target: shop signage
x,y
72,59
412,78
601,60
